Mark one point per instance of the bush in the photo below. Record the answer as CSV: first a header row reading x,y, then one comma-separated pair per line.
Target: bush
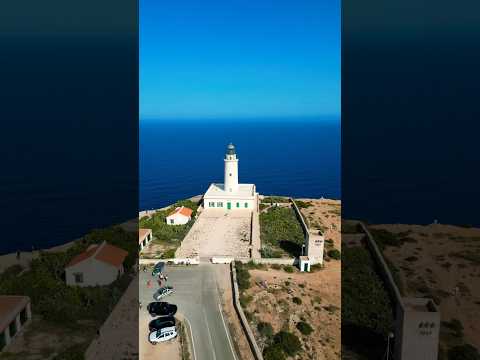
x,y
289,342
297,300
265,329
245,300
268,253
303,204
273,352
463,352
385,238
365,302
288,269
304,328
169,254
334,254
243,276
279,227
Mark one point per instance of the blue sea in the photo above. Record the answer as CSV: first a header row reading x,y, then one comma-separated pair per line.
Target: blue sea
x,y
299,157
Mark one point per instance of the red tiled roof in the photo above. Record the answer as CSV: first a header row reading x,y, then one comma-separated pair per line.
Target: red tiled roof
x,y
142,234
105,252
83,256
183,211
112,255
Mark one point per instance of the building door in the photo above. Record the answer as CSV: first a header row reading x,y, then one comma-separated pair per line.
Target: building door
x,y
229,205
305,267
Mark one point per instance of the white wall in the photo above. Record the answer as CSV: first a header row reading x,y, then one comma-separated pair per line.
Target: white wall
x,y
231,173
251,203
178,219
94,273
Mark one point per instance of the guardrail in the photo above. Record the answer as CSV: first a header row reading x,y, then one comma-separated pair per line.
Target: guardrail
x,y
243,320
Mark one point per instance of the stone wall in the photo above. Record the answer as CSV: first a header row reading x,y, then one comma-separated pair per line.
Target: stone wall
x,y
243,320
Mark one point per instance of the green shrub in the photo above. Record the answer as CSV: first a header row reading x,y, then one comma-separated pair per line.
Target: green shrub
x,y
288,268
273,352
243,276
334,254
288,342
385,238
275,199
303,204
463,352
269,253
169,254
245,300
304,328
265,329
363,293
280,228
297,300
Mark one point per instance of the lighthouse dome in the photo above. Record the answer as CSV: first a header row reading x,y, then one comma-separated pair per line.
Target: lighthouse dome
x,y
231,149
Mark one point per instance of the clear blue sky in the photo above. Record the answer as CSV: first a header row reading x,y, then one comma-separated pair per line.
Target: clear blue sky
x,y
250,58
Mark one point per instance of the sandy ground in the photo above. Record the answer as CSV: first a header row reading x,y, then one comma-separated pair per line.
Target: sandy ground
x,y
218,233
326,213
428,262
321,300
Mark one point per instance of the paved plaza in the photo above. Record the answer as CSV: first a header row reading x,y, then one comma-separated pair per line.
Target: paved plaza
x,y
218,233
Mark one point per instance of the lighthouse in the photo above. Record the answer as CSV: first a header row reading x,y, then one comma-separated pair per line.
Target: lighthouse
x,y
231,196
231,170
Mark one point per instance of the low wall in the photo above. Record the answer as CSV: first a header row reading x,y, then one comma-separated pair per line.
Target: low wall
x,y
382,265
300,218
255,241
279,261
175,261
246,326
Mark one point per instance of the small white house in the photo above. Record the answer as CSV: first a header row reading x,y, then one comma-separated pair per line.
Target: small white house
x,y
180,216
98,265
144,237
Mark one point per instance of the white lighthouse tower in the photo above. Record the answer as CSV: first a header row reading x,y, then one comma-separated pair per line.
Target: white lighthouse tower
x,y
231,196
231,170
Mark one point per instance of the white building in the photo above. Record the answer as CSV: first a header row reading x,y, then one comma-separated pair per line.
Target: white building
x,y
144,238
231,195
180,216
98,265
15,313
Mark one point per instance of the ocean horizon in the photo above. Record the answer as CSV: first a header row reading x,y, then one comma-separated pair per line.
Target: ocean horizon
x,y
294,156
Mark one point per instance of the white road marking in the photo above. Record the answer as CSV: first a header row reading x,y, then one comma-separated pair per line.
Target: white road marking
x,y
209,334
193,341
228,334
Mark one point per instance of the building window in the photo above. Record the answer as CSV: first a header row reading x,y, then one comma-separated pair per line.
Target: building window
x,y
211,204
78,277
246,205
172,221
219,204
238,204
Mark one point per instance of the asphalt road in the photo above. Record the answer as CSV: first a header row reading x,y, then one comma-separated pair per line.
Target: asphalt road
x,y
198,300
